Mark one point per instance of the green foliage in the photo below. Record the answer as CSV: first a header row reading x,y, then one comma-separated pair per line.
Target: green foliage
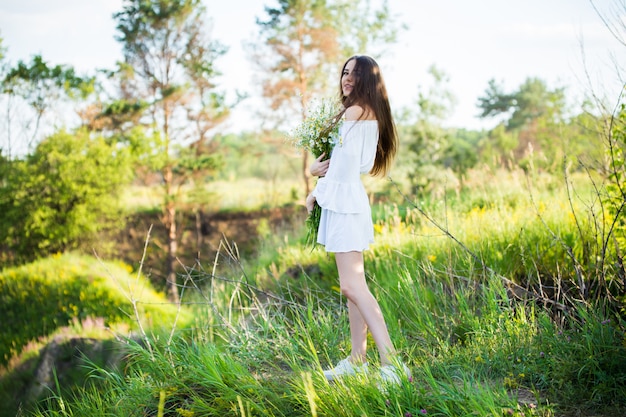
x,y
427,146
461,155
428,142
38,82
32,89
495,101
585,141
534,134
615,200
3,49
61,195
534,131
190,164
146,30
371,30
38,298
497,149
121,115
616,188
250,155
533,100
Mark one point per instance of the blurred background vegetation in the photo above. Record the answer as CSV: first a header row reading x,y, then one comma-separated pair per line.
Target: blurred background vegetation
x,y
139,239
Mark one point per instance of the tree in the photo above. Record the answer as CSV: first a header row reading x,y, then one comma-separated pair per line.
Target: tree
x,y
495,102
297,45
169,64
461,154
370,30
41,86
61,195
303,41
428,139
533,112
522,107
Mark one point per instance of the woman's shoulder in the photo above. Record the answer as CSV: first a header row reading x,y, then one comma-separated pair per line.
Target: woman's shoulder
x,y
356,112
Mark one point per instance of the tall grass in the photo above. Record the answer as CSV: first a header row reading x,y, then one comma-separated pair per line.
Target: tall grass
x,y
472,353
264,330
471,349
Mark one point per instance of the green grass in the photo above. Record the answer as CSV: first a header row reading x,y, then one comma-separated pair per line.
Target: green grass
x,y
269,357
472,350
266,327
38,298
78,303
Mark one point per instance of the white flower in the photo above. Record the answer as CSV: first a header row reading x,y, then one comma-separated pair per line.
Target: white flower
x,y
315,133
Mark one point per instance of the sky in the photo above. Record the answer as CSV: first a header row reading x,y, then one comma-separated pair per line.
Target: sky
x,y
563,42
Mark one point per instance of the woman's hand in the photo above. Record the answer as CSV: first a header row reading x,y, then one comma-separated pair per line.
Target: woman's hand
x,y
318,168
309,203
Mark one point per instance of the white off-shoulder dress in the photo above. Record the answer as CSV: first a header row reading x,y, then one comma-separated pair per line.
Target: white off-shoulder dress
x,y
346,221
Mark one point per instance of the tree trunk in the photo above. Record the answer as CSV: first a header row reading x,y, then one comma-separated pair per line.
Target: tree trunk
x,y
305,172
172,251
305,154
198,232
172,244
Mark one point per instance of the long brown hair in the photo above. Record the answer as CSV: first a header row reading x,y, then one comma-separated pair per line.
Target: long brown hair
x,y
369,92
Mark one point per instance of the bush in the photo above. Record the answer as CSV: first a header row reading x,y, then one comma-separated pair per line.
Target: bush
x,y
59,197
38,298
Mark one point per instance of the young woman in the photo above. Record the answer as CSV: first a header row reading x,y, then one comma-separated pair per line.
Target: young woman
x,y
368,144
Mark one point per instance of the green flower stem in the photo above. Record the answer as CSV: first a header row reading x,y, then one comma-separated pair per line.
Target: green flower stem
x,y
312,225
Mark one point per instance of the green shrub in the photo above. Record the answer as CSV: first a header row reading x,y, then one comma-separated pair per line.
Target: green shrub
x,y
59,197
38,298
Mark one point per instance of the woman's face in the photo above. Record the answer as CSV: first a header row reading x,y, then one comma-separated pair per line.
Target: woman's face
x,y
348,78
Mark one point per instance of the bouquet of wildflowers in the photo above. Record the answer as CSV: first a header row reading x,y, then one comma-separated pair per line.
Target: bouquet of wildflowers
x,y
318,133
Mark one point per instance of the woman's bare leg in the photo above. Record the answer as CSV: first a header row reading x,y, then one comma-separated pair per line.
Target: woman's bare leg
x,y
353,285
358,333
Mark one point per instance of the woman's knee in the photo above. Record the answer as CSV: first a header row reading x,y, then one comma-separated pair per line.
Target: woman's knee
x,y
347,292
353,292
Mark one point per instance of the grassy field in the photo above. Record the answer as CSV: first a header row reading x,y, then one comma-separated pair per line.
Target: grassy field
x,y
444,270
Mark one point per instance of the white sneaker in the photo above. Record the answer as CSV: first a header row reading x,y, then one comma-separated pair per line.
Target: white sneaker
x,y
392,374
345,368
